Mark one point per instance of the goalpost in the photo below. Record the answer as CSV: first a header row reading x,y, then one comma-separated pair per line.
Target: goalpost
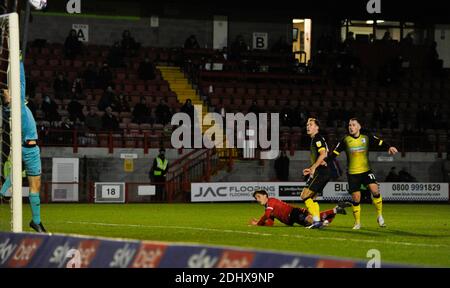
x,y
10,79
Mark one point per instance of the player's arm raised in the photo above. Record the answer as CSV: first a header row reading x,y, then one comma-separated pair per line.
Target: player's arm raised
x,y
376,141
337,150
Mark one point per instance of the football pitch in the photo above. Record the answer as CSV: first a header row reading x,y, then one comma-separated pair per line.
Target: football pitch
x,y
417,234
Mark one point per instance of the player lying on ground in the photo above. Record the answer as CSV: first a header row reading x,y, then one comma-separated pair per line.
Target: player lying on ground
x,y
30,154
289,215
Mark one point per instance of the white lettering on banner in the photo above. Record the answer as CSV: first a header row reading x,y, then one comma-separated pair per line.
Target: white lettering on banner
x,y
24,252
296,263
231,191
6,249
202,260
75,258
122,257
333,191
59,255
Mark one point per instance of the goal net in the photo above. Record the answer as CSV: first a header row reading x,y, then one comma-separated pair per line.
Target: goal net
x,y
10,114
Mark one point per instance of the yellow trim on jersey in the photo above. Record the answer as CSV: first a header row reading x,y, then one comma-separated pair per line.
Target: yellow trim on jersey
x,y
381,142
321,148
335,152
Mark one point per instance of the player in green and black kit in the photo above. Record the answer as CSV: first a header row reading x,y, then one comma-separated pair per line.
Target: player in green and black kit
x,y
318,173
356,146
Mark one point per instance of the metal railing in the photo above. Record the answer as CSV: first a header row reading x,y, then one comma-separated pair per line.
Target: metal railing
x,y
197,165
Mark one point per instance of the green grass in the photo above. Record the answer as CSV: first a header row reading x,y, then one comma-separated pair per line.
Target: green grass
x,y
417,234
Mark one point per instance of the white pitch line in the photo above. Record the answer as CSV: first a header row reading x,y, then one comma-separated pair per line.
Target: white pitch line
x,y
261,234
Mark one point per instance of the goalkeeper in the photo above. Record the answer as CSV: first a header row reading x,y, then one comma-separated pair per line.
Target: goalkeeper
x,y
30,154
289,215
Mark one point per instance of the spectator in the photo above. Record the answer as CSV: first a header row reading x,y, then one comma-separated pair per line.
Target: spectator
x,y
191,43
72,45
92,120
128,44
188,108
60,86
146,70
105,77
109,121
66,137
50,110
157,174
75,110
387,36
141,112
108,99
404,176
162,113
90,76
392,176
349,40
67,124
116,56
77,87
122,104
282,167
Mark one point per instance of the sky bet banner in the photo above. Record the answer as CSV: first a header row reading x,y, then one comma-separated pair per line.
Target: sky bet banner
x,y
31,250
334,191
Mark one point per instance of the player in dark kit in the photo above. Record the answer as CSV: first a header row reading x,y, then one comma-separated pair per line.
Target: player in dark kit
x,y
356,146
289,215
318,173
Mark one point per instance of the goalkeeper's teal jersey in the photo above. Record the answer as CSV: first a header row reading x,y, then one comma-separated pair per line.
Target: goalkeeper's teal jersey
x,y
29,131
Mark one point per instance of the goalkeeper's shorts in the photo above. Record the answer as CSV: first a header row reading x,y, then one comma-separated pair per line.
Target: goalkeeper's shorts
x,y
31,157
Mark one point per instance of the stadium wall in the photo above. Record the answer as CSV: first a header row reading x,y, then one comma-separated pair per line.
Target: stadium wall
x,y
172,32
425,167
102,166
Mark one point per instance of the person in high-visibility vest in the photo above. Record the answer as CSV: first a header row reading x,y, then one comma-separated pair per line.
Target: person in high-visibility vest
x,y
158,173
